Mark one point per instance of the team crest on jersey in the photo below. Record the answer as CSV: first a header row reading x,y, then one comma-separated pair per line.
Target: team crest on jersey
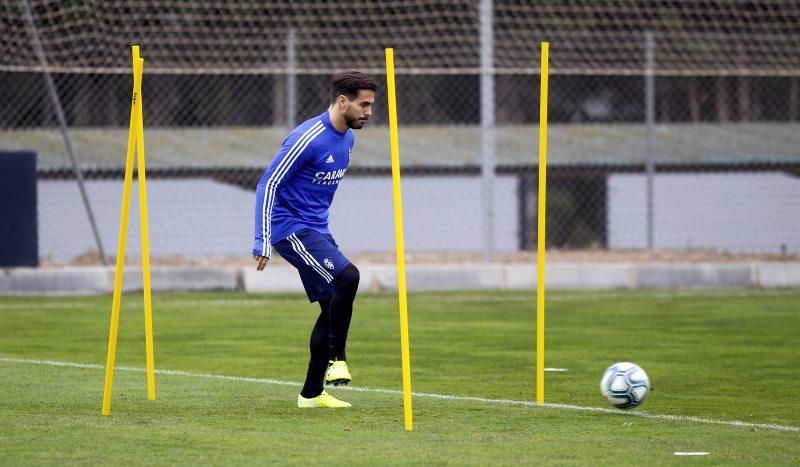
x,y
328,263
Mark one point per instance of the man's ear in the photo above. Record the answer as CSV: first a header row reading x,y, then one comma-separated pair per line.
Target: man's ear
x,y
341,102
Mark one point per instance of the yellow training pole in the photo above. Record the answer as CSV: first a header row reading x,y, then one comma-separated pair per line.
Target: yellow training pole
x,y
399,242
542,206
123,231
148,311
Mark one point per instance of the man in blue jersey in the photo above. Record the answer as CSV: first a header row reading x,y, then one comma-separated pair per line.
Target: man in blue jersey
x,y
291,215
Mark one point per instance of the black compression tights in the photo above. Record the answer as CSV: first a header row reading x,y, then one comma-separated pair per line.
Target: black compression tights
x,y
329,337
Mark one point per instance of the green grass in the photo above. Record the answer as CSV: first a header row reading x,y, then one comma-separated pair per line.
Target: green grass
x,y
721,356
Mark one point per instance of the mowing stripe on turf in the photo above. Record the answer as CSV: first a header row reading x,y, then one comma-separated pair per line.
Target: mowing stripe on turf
x,y
555,296
483,400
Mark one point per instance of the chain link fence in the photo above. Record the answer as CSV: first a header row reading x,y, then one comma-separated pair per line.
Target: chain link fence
x,y
224,83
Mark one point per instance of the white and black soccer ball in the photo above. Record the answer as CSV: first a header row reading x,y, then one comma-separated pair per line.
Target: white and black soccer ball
x,y
625,385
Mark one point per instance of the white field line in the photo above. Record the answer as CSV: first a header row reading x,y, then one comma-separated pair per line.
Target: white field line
x,y
483,400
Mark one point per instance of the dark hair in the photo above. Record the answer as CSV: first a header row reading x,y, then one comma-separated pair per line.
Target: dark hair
x,y
348,84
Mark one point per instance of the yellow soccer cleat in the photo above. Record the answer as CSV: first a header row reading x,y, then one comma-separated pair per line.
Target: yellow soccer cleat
x,y
323,400
337,373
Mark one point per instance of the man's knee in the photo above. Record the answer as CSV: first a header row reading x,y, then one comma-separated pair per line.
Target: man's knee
x,y
348,278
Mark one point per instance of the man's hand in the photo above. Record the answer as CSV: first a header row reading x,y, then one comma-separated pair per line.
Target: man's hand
x,y
262,262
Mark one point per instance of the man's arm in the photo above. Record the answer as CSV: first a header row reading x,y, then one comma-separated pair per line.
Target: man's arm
x,y
294,151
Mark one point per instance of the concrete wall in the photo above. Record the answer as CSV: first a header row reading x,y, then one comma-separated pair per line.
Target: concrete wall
x,y
283,278
207,219
754,212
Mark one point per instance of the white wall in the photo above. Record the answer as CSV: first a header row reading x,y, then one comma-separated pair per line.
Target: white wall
x,y
203,218
738,212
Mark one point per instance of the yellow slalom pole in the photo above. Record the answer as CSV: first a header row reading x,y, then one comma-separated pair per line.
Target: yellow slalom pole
x,y
123,232
399,242
542,206
144,228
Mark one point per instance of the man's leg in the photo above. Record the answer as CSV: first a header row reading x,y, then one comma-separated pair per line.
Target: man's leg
x,y
341,310
320,353
313,395
318,260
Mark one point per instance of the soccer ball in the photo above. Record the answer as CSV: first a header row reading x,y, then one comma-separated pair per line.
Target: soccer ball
x,y
625,385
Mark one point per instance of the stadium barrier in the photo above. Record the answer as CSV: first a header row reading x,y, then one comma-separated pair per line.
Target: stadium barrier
x,y
421,277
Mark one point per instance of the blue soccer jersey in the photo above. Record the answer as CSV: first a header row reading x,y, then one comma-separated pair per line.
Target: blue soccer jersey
x,y
297,188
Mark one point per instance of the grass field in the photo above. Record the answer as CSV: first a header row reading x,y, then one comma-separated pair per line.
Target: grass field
x,y
724,367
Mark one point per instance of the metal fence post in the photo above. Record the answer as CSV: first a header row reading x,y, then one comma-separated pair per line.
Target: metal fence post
x,y
650,100
487,128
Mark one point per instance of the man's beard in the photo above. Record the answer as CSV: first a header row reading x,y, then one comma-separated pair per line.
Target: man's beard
x,y
355,123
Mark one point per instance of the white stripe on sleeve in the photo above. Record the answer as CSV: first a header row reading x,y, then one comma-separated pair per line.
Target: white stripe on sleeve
x,y
274,180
